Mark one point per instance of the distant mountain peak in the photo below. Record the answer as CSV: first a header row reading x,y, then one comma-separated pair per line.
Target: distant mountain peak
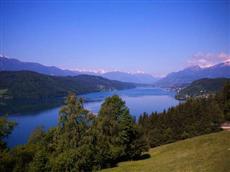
x,y
223,64
195,67
193,73
2,56
227,63
10,64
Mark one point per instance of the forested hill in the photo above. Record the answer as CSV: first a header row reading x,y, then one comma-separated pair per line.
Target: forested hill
x,y
202,87
32,85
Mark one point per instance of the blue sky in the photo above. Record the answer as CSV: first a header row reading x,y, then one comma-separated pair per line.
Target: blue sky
x,y
151,36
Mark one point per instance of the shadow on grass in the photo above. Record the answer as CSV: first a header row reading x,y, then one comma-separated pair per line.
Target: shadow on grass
x,y
144,156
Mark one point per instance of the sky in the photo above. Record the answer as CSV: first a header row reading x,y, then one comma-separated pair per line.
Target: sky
x,y
155,37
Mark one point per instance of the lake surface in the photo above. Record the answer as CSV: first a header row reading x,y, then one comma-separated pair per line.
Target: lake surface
x,y
138,100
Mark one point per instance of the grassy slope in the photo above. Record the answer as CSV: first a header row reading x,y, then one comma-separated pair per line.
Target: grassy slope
x,y
209,153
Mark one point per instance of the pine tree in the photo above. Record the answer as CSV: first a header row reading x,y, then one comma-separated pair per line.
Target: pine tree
x,y
74,121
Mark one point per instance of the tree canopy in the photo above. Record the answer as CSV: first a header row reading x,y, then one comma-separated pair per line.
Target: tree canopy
x,y
81,141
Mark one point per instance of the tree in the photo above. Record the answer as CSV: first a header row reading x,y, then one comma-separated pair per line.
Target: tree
x,y
6,127
226,100
131,137
40,162
118,130
74,120
37,135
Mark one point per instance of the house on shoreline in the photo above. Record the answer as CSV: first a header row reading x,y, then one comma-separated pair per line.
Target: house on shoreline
x,y
225,126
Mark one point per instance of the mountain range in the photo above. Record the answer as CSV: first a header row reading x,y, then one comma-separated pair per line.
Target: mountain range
x,y
8,64
193,73
174,79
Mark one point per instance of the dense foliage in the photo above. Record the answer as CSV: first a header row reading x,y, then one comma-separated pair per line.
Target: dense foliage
x,y
223,98
81,141
5,129
192,118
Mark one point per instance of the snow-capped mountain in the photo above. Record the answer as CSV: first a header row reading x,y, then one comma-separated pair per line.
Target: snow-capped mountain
x,y
8,64
193,73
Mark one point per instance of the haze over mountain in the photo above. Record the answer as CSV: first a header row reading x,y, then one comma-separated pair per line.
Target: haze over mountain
x,y
8,64
129,77
193,73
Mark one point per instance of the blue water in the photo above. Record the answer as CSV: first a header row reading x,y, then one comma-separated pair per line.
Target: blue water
x,y
138,100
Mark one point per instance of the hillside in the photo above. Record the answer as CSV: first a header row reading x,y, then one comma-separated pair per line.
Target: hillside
x,y
32,85
202,87
188,75
208,153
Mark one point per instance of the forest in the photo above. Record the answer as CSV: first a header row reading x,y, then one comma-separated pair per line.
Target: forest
x,y
28,85
83,141
23,91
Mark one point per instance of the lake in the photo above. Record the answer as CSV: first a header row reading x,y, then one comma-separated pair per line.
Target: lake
x,y
138,100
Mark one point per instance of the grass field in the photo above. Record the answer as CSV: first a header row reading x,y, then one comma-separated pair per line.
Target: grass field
x,y
207,153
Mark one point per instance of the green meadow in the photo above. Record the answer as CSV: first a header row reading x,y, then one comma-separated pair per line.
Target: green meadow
x,y
207,153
